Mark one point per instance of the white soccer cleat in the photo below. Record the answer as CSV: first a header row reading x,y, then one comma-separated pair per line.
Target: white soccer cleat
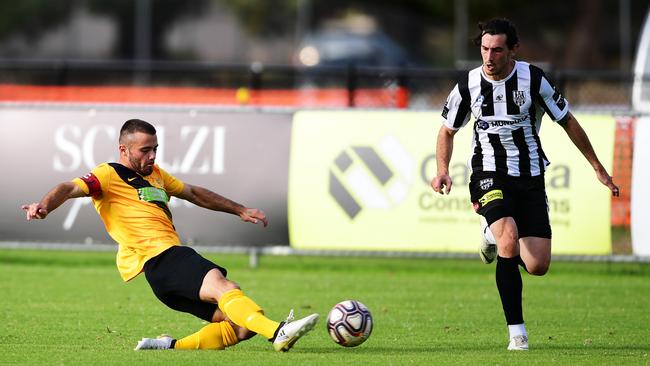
x,y
162,342
290,331
488,249
518,343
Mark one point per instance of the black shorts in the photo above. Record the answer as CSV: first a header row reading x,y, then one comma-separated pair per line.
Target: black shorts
x,y
176,276
497,195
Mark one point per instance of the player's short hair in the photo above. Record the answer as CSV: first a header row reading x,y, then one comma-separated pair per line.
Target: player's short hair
x,y
136,125
498,26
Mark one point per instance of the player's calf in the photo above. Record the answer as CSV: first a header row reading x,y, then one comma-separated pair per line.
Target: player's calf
x,y
488,248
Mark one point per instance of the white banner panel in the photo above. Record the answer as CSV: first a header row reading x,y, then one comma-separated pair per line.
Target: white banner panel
x,y
241,155
360,181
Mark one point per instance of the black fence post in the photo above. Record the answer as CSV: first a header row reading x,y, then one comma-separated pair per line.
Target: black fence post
x,y
402,94
257,68
62,73
351,84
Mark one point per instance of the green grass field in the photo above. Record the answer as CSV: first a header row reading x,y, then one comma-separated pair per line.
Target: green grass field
x,y
72,308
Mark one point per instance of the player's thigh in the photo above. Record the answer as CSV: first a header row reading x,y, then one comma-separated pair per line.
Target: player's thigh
x,y
214,285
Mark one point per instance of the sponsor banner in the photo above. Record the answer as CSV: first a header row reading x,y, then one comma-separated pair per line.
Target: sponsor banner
x,y
640,210
243,156
361,180
580,206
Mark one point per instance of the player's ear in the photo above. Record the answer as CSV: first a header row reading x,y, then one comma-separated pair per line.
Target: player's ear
x,y
514,50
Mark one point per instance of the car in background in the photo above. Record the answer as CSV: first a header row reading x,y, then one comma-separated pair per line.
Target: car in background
x,y
341,47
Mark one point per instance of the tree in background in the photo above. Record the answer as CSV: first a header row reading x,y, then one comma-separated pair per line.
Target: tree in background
x,y
32,18
163,15
581,34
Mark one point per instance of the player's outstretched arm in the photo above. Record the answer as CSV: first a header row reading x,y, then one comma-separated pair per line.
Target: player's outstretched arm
x,y
441,183
579,138
53,199
205,198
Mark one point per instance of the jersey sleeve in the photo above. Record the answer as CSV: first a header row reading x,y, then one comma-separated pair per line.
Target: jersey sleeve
x,y
94,182
456,112
173,185
554,104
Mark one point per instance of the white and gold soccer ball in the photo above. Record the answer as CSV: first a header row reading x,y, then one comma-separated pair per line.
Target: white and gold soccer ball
x,y
349,323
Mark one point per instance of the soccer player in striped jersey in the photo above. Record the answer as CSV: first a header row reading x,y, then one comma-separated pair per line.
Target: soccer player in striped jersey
x,y
131,197
508,98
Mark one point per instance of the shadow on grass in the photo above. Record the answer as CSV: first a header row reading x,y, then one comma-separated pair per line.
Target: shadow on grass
x,y
474,348
580,347
395,351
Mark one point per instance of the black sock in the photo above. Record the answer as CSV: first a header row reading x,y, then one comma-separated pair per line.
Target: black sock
x,y
510,287
522,264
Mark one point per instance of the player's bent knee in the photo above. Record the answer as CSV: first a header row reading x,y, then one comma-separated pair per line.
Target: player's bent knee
x,y
218,316
242,333
214,286
538,269
507,249
228,285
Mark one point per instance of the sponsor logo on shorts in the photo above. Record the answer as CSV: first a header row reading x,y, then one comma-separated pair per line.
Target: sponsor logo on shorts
x,y
486,183
496,194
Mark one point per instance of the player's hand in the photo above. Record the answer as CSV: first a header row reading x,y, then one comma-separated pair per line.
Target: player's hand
x,y
606,179
34,211
254,215
442,184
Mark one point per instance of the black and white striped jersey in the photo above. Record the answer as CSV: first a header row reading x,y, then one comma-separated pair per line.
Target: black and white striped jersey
x,y
508,114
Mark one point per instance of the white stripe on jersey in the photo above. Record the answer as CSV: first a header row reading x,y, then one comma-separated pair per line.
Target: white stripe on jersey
x,y
535,169
507,117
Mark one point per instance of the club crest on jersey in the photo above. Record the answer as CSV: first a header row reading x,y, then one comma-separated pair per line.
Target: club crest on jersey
x,y
486,183
519,97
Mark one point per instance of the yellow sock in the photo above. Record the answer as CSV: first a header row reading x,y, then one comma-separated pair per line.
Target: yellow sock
x,y
246,313
213,336
228,334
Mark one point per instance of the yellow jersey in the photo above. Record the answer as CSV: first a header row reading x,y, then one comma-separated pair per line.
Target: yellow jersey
x,y
135,211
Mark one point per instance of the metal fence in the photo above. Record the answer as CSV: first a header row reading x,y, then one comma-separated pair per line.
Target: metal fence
x,y
351,86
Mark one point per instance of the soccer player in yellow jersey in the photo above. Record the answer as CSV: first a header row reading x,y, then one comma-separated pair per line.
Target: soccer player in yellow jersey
x,y
131,197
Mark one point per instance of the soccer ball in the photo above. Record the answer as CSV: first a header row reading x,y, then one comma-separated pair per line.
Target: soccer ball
x,y
349,323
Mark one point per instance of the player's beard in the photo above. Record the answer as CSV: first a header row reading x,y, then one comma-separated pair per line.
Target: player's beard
x,y
142,168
